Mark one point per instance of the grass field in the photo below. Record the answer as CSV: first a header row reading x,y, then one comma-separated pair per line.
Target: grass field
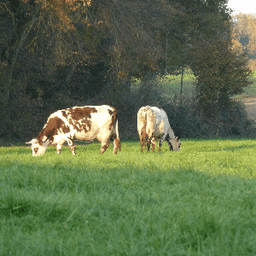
x,y
199,201
172,85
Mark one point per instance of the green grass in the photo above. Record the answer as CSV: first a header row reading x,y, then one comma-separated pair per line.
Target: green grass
x,y
199,201
172,85
251,89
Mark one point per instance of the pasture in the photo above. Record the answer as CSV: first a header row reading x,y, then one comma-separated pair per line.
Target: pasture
x,y
199,201
171,85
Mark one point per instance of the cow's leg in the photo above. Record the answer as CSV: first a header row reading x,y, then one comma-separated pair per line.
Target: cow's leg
x,y
153,141
59,146
161,142
142,142
117,145
145,143
71,145
149,142
104,146
159,146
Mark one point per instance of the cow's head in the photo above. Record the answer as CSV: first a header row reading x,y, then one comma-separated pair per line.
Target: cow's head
x,y
38,149
174,143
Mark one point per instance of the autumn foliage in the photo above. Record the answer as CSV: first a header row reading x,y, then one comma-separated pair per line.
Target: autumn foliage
x,y
244,36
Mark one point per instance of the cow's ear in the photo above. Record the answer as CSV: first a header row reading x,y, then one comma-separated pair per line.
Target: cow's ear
x,y
30,142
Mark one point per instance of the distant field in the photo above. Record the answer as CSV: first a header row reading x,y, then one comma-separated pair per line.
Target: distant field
x,y
172,85
199,201
251,90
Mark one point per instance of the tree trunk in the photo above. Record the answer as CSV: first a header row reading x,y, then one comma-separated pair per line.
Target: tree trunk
x,y
181,85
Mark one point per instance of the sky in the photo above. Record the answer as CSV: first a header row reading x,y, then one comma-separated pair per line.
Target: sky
x,y
245,6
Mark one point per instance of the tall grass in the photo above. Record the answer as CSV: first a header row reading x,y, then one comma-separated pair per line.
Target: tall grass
x,y
199,201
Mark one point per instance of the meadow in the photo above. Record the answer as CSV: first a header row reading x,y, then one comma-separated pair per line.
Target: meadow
x,y
197,201
171,85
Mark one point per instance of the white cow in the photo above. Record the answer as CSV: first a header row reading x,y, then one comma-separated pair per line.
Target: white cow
x,y
152,122
82,123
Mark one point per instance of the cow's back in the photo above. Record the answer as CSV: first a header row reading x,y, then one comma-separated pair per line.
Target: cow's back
x,y
146,121
97,124
159,114
85,123
158,122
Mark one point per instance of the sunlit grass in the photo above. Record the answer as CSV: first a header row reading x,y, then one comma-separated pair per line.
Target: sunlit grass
x,y
199,201
172,85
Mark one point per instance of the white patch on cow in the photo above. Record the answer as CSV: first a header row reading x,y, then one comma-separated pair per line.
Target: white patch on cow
x,y
60,138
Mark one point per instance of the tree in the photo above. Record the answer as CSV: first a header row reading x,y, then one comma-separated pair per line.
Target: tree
x,y
220,74
244,36
244,33
71,49
26,46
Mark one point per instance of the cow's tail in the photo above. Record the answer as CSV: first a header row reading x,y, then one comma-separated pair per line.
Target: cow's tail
x,y
117,141
117,132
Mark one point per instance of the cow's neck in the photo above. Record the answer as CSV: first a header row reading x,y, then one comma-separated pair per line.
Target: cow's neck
x,y
42,139
171,133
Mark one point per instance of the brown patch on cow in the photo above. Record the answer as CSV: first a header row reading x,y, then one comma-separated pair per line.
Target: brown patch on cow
x,y
81,112
64,114
83,115
51,129
64,128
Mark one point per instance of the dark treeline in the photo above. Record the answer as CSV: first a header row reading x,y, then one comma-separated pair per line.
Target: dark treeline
x,y
60,53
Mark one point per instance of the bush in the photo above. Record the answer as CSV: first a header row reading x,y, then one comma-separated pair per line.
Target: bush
x,y
235,122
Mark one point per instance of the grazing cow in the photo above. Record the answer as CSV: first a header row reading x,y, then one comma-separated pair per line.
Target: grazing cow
x,y
152,122
82,123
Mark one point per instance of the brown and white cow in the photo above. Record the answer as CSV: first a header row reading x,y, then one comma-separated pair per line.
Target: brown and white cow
x,y
152,122
82,123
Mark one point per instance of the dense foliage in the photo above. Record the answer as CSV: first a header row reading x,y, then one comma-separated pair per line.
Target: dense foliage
x,y
59,53
218,79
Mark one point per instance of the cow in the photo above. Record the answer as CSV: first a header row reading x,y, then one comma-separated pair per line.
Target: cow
x,y
82,123
153,123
